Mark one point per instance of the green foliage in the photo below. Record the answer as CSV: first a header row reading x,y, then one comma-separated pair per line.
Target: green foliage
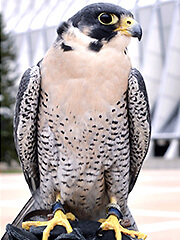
x,y
8,75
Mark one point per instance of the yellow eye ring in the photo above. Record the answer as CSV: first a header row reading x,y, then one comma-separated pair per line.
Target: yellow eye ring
x,y
108,18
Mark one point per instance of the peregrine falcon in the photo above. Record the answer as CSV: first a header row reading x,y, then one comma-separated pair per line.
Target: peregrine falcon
x,y
82,124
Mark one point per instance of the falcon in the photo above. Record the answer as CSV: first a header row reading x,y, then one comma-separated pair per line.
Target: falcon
x,y
82,124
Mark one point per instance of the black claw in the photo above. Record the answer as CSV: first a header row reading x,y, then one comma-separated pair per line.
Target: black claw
x,y
76,219
99,232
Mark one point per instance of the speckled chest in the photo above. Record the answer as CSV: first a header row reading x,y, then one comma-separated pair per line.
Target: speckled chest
x,y
78,149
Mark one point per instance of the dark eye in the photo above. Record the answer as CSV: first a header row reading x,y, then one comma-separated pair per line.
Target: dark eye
x,y
105,18
108,18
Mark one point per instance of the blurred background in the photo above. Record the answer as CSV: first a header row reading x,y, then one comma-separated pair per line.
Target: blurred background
x,y
28,28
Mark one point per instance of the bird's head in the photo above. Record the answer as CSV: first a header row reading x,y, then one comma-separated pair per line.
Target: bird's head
x,y
103,21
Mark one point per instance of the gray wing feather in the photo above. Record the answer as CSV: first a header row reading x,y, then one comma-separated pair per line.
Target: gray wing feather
x,y
139,123
25,125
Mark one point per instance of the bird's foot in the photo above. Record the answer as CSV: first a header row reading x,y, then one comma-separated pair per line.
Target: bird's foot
x,y
112,223
59,218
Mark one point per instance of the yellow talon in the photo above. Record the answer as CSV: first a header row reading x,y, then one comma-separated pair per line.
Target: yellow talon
x,y
28,224
59,219
70,216
112,223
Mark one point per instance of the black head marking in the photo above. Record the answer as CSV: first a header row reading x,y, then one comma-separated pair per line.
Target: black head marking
x,y
88,20
95,46
62,28
65,47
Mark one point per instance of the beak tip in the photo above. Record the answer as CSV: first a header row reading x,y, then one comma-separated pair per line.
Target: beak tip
x,y
140,34
140,37
137,33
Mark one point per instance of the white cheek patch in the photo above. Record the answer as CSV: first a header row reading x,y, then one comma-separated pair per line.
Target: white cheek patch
x,y
74,37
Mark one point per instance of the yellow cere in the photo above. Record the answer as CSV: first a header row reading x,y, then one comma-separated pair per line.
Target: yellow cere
x,y
125,23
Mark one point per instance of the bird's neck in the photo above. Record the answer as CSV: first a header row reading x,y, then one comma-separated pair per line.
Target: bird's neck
x,y
71,38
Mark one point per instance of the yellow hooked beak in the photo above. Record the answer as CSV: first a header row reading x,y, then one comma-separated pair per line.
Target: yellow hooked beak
x,y
129,27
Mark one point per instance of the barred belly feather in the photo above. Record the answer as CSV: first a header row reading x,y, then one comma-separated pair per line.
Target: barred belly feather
x,y
84,153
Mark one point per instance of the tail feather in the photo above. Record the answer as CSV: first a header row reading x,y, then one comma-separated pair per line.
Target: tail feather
x,y
29,206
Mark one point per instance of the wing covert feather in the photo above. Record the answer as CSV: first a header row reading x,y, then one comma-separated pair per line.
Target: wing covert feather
x,y
139,123
25,125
